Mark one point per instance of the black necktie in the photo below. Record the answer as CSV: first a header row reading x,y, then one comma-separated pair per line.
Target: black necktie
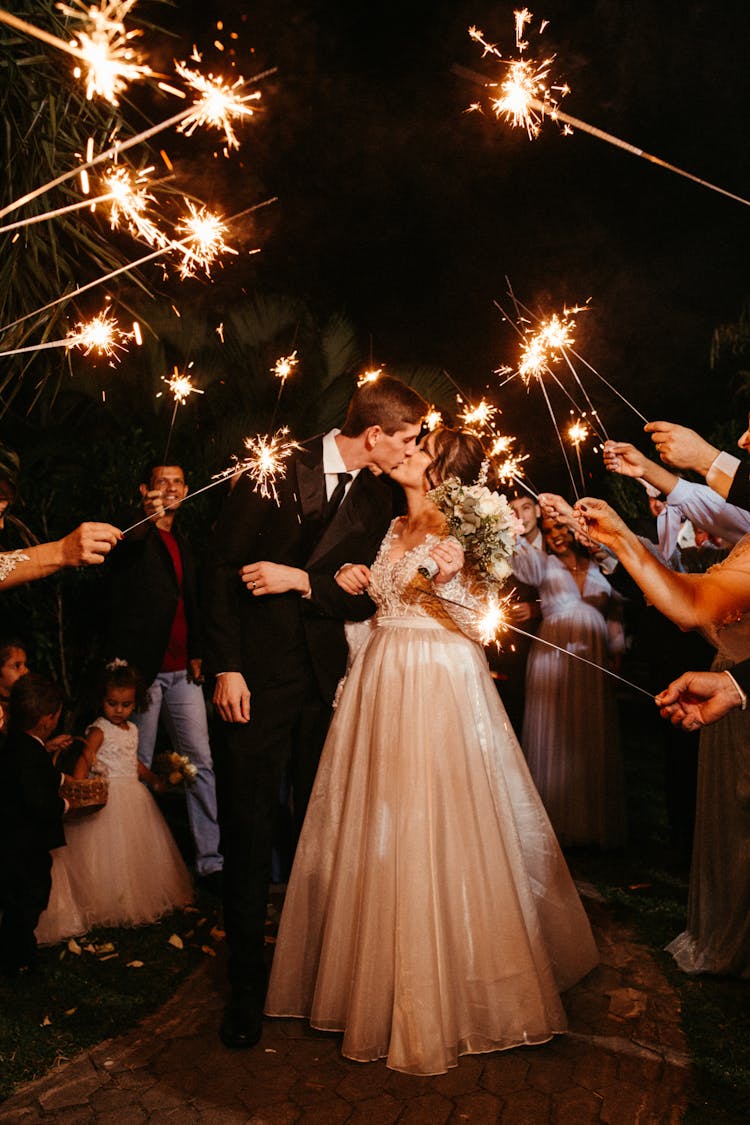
x,y
336,497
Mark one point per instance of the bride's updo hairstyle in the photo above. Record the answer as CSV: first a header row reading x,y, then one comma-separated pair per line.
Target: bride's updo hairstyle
x,y
457,453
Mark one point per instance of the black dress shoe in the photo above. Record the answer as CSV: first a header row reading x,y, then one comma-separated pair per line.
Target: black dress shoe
x,y
241,1027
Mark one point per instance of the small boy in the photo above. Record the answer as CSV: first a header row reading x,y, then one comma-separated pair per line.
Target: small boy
x,y
31,811
12,666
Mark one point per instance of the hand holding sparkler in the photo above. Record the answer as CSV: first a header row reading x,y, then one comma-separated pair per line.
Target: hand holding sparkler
x,y
680,447
623,458
88,544
600,523
696,699
448,556
353,578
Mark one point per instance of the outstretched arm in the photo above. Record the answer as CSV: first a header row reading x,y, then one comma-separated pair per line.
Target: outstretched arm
x,y
680,447
86,546
690,600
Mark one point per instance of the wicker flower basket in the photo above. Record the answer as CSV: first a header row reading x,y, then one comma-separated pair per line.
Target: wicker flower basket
x,y
84,796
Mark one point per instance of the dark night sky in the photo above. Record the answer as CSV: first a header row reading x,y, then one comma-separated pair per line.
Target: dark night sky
x,y
408,213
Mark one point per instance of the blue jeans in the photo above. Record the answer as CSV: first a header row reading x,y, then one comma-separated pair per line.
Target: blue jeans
x,y
183,708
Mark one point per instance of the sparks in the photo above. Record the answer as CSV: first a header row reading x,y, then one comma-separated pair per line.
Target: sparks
x,y
547,343
525,96
578,432
129,201
370,376
494,620
479,418
180,387
105,48
203,240
101,335
265,462
432,419
285,366
509,468
218,103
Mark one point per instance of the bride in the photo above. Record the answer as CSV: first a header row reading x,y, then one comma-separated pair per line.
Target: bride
x,y
430,912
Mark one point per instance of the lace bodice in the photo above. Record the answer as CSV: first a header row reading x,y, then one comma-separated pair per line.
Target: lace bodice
x,y
118,753
399,590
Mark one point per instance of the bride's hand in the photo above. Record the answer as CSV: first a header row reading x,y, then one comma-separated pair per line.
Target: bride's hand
x,y
353,578
449,558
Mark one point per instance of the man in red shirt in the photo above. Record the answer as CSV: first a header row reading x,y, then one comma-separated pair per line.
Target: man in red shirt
x,y
154,624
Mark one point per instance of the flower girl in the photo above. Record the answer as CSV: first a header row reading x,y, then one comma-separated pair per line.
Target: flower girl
x,y
121,865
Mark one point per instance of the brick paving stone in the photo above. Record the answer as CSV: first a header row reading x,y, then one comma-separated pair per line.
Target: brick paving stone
x,y
222,1115
175,1115
316,1084
166,1094
639,1070
526,1107
76,1115
505,1072
627,1105
427,1109
478,1108
284,1114
335,1111
548,1073
461,1079
275,1086
575,1107
381,1110
361,1082
595,1069
407,1086
127,1114
75,1091
21,1115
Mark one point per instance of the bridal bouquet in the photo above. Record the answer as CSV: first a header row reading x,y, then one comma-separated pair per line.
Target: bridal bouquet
x,y
176,768
482,522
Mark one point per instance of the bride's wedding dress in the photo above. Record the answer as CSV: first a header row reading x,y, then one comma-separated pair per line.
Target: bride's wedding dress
x,y
429,912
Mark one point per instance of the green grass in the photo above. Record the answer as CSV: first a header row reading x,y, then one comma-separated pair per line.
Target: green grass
x,y
76,1000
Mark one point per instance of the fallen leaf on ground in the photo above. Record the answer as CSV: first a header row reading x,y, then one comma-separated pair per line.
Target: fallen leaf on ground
x,y
134,965
217,934
207,949
71,1011
74,947
46,1022
176,941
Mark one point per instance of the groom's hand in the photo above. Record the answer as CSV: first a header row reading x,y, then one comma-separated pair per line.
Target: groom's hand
x,y
273,578
232,697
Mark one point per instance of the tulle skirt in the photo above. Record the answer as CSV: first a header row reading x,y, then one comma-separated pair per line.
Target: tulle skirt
x,y
430,912
120,867
570,733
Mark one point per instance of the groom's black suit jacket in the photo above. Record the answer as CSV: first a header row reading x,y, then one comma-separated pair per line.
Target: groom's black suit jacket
x,y
266,638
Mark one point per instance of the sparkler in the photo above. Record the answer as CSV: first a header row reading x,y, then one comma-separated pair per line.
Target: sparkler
x,y
432,419
285,366
109,60
124,190
203,241
577,433
218,105
101,334
265,463
369,376
478,419
181,388
115,150
525,100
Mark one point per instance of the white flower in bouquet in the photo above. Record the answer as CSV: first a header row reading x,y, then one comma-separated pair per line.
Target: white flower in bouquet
x,y
483,523
180,768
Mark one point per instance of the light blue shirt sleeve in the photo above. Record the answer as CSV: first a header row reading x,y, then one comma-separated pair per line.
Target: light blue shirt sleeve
x,y
705,508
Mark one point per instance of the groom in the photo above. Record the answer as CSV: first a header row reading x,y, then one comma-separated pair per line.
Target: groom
x,y
275,634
